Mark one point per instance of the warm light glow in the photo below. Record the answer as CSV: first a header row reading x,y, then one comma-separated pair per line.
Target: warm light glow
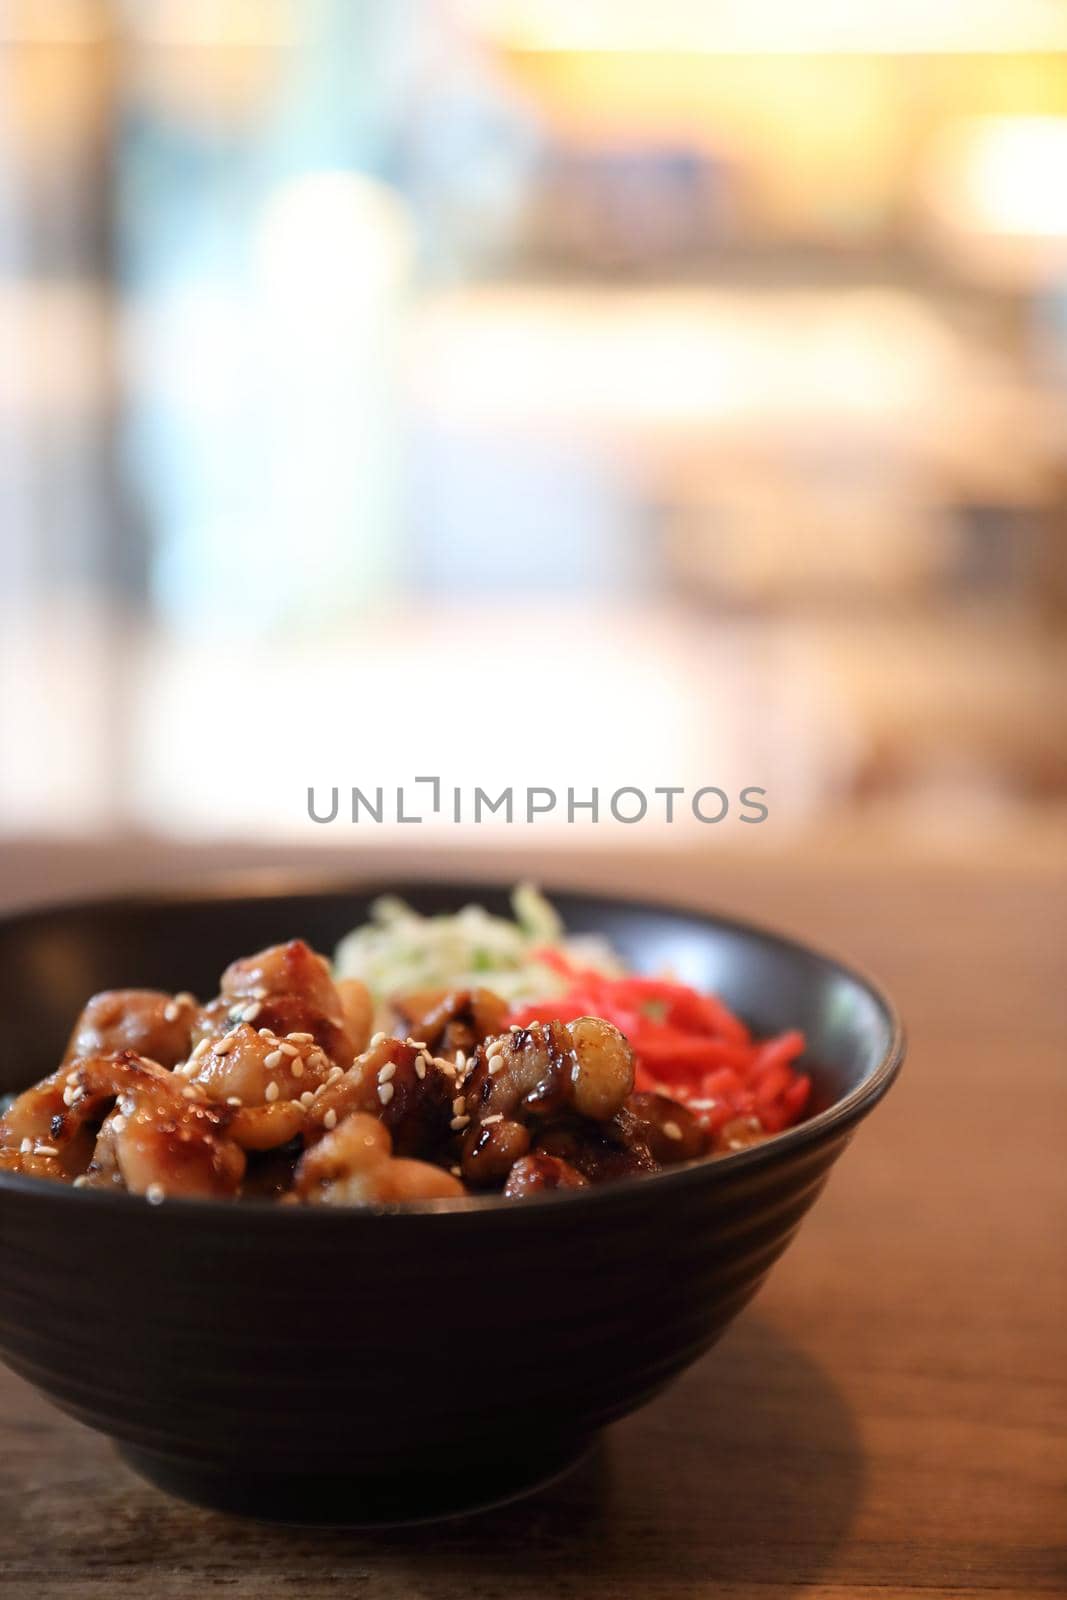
x,y
1004,175
648,361
779,26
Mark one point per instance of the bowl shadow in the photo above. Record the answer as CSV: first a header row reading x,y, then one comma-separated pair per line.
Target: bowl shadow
x,y
748,1470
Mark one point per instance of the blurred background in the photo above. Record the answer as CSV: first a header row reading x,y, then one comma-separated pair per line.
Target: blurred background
x,y
533,393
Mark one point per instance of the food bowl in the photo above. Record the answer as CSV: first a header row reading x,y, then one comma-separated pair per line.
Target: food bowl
x,y
380,1364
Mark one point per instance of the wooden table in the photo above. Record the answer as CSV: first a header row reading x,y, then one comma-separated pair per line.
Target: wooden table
x,y
889,1418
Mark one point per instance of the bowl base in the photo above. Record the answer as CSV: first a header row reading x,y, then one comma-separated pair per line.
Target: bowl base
x,y
355,1500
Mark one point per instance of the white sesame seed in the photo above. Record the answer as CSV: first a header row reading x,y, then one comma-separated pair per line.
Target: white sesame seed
x,y
250,1013
493,1048
307,1097
672,1130
185,998
335,1073
513,1027
26,1146
386,1073
45,1150
301,1038
271,1092
459,1105
273,1060
329,1121
447,1068
155,1194
498,1116
458,1122
297,1068
201,1049
461,1060
234,1100
495,1066
260,992
385,1093
289,1050
192,1094
72,1077
457,1172
379,1038
118,1124
171,1011
420,1067
417,1044
80,1182
266,1033
225,1044
68,1096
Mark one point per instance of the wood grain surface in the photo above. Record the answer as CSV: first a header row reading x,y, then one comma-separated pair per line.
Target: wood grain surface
x,y
889,1418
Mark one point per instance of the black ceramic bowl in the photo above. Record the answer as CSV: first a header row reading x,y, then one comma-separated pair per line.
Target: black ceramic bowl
x,y
373,1364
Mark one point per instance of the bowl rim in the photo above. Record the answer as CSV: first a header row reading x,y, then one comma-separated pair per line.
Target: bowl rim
x,y
836,1120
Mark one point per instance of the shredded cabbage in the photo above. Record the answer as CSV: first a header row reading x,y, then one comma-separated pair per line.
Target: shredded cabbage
x,y
399,950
